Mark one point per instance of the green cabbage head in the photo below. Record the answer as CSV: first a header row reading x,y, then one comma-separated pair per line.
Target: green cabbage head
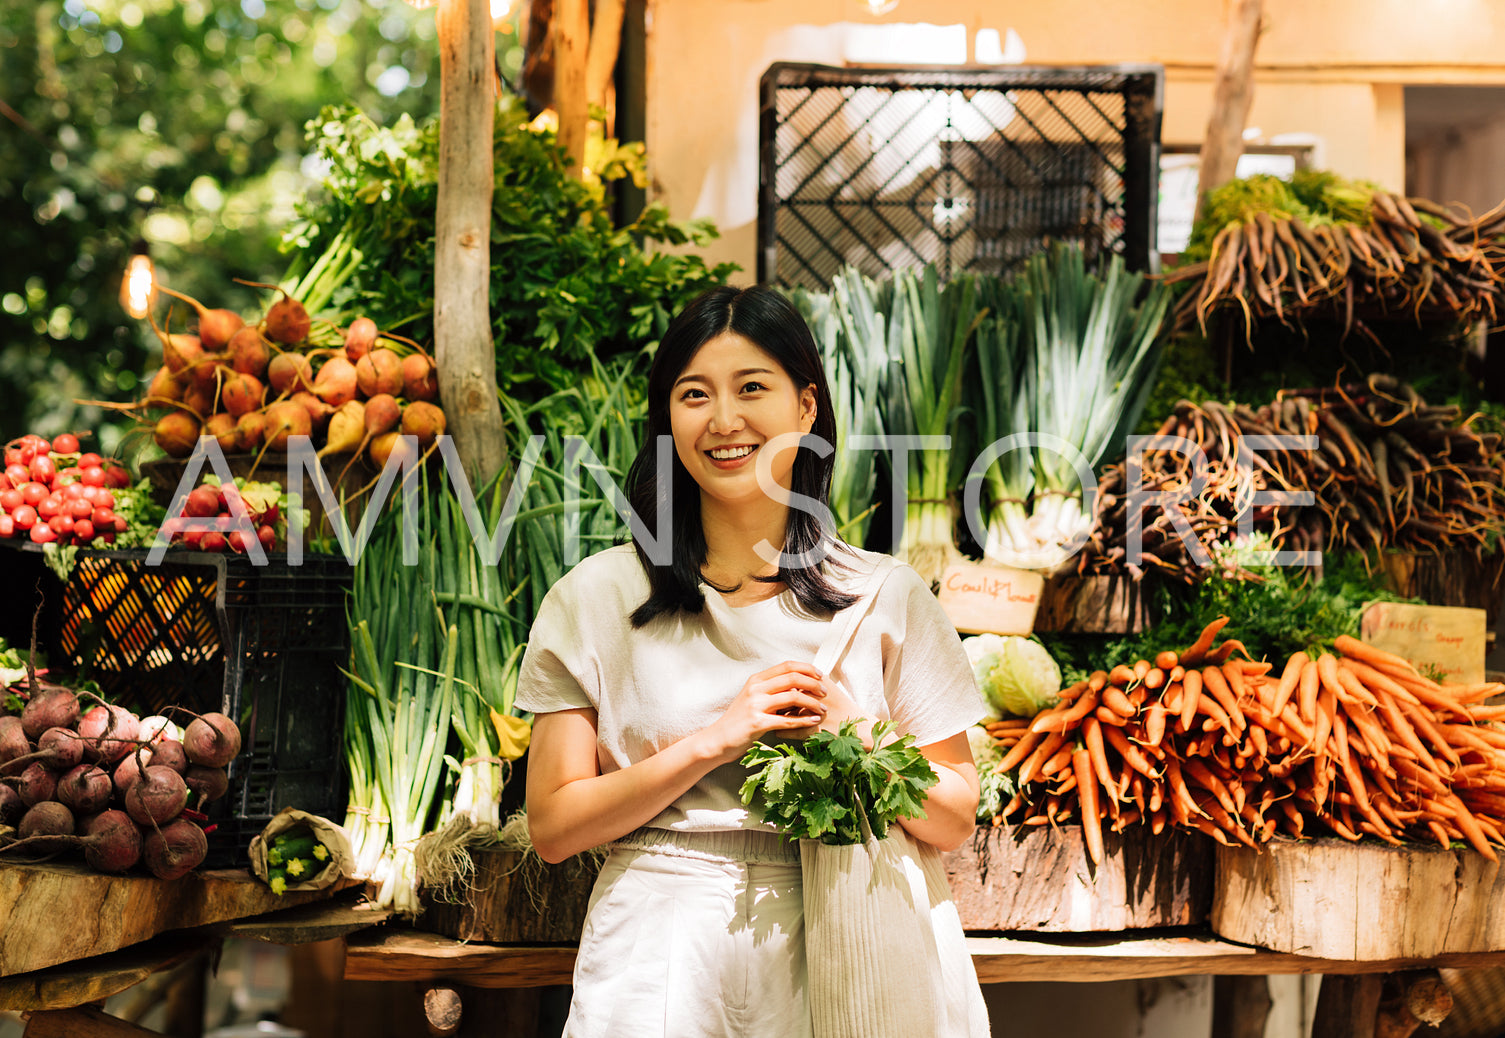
x,y
1016,675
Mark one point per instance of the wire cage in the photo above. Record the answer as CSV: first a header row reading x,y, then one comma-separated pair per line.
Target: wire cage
x,y
969,169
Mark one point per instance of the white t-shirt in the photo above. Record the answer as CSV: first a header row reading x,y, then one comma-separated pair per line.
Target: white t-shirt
x,y
656,684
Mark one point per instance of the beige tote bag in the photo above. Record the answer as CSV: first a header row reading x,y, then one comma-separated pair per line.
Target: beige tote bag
x,y
884,943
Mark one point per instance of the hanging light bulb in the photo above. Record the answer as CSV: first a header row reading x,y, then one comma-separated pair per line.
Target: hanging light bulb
x,y
878,7
138,288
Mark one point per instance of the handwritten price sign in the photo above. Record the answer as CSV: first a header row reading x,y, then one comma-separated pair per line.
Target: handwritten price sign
x,y
1444,642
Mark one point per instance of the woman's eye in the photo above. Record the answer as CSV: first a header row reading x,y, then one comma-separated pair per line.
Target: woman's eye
x,y
753,387
691,394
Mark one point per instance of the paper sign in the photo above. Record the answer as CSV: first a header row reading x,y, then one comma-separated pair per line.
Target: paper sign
x,y
983,598
1444,642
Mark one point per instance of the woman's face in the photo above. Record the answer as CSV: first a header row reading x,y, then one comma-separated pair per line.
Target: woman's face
x,y
731,400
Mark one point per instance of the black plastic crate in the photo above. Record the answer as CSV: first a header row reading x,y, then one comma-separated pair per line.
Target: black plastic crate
x,y
262,644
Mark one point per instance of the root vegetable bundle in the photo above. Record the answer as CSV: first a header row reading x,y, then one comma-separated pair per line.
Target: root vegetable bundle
x,y
1398,257
1389,471
1354,743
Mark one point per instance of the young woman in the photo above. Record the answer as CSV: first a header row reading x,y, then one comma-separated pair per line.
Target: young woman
x,y
649,683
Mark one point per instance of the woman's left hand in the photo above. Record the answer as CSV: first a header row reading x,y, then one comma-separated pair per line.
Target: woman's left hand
x,y
840,707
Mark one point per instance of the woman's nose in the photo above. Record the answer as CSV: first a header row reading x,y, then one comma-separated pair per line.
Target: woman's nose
x,y
725,417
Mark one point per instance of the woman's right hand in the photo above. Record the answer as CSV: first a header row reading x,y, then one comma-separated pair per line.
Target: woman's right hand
x,y
786,698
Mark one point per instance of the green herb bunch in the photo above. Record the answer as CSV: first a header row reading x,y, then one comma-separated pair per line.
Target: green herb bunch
x,y
813,788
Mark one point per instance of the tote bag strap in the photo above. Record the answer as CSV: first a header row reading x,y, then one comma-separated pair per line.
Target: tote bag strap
x,y
844,624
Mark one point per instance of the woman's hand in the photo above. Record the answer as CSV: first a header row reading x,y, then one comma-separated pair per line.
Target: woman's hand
x,y
841,707
787,698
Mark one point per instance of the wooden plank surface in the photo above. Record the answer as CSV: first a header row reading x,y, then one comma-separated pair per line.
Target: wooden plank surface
x,y
411,955
105,913
82,1023
306,924
98,977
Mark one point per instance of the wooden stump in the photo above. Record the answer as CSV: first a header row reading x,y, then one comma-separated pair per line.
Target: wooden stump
x,y
513,901
1361,902
1041,879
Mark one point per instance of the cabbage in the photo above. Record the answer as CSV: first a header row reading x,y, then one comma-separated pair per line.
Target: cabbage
x,y
994,787
1016,675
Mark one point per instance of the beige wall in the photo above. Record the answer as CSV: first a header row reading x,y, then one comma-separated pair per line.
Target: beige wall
x,y
1330,73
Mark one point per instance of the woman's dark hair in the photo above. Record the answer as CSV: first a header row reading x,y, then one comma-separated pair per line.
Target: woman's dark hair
x,y
764,317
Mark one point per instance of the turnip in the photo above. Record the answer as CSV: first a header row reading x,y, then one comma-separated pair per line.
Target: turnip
x,y
42,823
12,807
206,784
157,797
176,433
85,789
211,740
420,381
175,850
336,382
109,732
111,841
169,753
285,420
49,708
423,420
359,338
290,372
249,352
379,371
215,326
242,394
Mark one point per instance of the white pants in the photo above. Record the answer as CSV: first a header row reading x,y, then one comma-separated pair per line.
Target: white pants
x,y
694,935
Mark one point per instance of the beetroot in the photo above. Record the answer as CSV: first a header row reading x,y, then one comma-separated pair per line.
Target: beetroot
x,y
250,430
13,742
11,806
49,708
215,326
423,420
206,784
222,427
36,785
58,749
211,740
176,433
287,321
111,841
169,753
128,771
47,819
157,797
175,850
85,789
164,388
359,338
420,381
242,394
109,732
290,372
285,420
336,382
249,353
379,371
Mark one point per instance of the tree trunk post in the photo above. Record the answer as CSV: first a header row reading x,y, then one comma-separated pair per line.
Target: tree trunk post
x,y
462,240
1232,94
571,49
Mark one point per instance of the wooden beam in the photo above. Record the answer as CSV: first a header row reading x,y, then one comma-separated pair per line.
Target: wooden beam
x,y
411,955
571,54
462,238
307,924
82,1023
1232,94
1240,1006
1347,1007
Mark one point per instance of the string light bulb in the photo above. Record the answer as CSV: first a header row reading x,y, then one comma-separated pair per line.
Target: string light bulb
x,y
879,7
138,288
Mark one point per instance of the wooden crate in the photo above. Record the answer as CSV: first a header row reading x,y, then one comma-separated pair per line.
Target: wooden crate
x,y
1359,902
513,901
1041,879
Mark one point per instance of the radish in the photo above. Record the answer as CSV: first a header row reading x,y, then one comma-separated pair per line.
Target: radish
x,y
249,353
157,797
379,371
215,326
201,503
55,708
111,841
359,338
85,789
336,382
423,420
175,850
420,380
176,433
289,372
211,740
109,732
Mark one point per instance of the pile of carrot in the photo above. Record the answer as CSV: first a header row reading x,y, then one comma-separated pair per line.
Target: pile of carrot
x,y
1355,742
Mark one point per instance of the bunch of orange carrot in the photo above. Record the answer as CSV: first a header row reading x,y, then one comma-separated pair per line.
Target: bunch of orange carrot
x,y
1357,742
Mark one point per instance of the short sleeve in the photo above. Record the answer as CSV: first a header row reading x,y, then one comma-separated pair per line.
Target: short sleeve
x,y
927,677
557,672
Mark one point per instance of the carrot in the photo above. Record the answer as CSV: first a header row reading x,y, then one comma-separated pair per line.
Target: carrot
x,y
1092,819
1133,756
1171,698
1065,781
1377,679
1294,816
1022,750
1175,674
1224,652
1487,713
1115,700
1216,716
1239,689
1470,826
1057,761
1141,668
1214,684
1166,660
1203,776
1092,739
1260,739
1107,716
1440,833
1428,728
1064,720
1350,646
1475,693
1419,777
1310,684
1430,694
1191,693
1121,675
1326,708
1327,671
1372,735
1154,678
1403,729
1154,723
1289,678
1071,691
1198,649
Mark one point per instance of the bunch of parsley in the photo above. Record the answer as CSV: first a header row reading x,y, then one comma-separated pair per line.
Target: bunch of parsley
x,y
813,788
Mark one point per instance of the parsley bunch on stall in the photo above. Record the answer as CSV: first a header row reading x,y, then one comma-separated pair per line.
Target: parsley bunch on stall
x,y
813,788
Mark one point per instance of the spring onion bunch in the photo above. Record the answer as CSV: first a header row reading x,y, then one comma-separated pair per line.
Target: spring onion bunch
x,y
1088,348
852,329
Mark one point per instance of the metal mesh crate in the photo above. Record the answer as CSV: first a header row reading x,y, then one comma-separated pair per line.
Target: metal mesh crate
x,y
262,644
969,169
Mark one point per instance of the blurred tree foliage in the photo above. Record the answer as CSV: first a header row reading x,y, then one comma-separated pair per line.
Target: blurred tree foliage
x,y
180,122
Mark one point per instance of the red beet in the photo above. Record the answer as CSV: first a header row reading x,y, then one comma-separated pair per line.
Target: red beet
x,y
175,850
13,742
111,841
47,819
85,789
36,785
11,806
211,740
53,708
168,753
206,784
128,771
420,381
109,732
58,749
157,797
359,338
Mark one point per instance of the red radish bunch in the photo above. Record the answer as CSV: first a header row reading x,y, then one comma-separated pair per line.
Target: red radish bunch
x,y
209,501
124,791
51,492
